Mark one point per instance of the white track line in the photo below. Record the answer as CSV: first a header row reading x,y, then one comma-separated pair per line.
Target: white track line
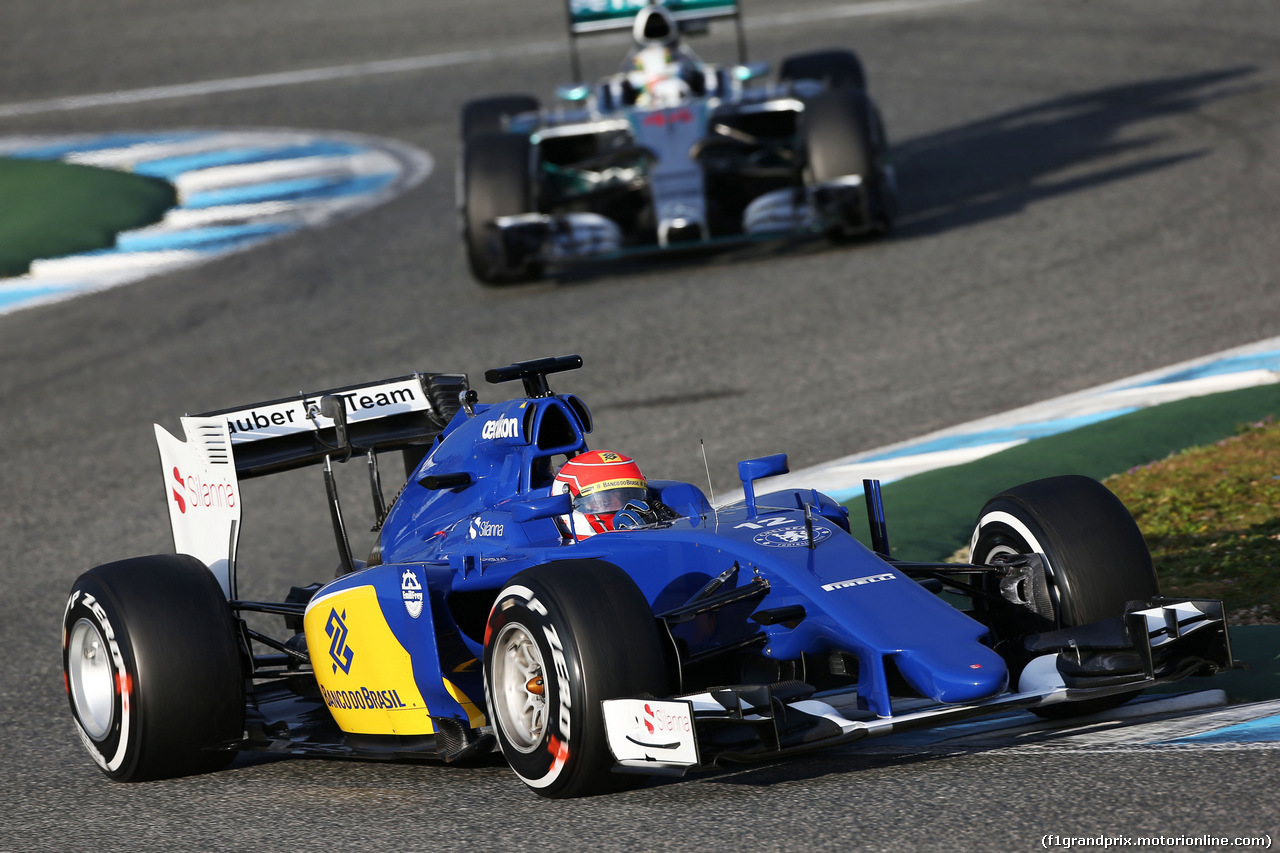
x,y
1240,367
426,62
236,189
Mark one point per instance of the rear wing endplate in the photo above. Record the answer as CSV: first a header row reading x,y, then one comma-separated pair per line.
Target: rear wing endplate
x,y
203,495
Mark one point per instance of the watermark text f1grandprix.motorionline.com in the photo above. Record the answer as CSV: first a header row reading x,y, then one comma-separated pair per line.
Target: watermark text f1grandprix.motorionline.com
x,y
1105,842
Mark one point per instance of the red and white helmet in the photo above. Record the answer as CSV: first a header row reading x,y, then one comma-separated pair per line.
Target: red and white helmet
x,y
602,483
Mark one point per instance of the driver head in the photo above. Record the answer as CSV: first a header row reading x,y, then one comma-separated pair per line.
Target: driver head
x,y
602,482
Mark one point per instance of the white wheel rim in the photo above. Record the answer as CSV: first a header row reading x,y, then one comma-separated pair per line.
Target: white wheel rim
x,y
1015,524
91,679
998,551
520,687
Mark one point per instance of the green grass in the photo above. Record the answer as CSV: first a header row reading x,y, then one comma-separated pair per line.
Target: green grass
x,y
930,515
49,209
1211,516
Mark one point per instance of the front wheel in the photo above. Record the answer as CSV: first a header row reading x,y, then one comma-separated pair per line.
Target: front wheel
x,y
496,181
153,668
560,639
843,138
1096,560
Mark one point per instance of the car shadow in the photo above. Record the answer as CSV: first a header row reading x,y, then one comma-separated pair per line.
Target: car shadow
x,y
997,166
1000,165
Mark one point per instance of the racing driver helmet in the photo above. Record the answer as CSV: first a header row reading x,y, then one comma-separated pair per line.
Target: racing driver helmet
x,y
602,483
655,26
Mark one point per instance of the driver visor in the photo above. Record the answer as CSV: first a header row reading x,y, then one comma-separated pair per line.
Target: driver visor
x,y
610,496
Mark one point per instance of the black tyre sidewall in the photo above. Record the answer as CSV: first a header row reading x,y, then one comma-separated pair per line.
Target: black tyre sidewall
x,y
609,648
176,666
837,135
842,135
495,182
1097,558
90,601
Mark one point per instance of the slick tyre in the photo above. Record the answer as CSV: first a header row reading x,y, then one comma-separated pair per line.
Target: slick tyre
x,y
496,182
560,639
153,668
490,115
836,68
843,136
1095,557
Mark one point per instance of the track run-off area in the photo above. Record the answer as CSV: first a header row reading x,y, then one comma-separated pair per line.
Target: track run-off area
x,y
1089,193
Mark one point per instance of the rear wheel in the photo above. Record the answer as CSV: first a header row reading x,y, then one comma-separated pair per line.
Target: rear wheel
x,y
495,182
1095,557
560,639
153,668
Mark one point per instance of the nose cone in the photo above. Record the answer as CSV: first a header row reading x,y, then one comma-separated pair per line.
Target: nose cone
x,y
954,674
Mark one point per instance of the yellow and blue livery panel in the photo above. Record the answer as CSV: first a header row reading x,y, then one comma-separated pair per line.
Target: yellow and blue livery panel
x,y
372,639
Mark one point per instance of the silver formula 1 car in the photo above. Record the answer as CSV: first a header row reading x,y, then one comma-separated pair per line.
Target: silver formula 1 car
x,y
671,152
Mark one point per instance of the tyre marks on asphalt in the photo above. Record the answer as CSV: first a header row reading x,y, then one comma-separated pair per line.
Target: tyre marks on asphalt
x,y
436,61
235,188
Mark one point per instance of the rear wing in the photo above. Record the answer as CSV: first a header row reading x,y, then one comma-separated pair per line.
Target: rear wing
x,y
292,432
594,16
202,473
603,16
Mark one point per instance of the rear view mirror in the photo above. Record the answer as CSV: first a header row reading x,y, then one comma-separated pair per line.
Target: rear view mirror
x,y
573,93
548,507
750,470
751,71
765,466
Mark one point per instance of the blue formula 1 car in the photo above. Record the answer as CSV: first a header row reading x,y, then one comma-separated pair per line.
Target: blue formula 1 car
x,y
686,636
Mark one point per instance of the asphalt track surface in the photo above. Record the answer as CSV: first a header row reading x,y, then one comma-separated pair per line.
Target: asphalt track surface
x,y
1089,190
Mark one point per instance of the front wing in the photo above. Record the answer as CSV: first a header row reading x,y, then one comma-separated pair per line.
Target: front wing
x,y
566,237
1171,641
